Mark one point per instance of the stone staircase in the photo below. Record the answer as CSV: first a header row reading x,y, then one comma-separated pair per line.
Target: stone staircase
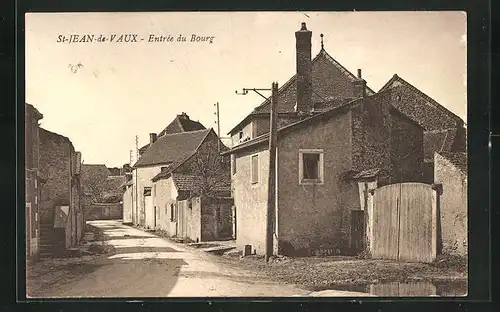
x,y
46,240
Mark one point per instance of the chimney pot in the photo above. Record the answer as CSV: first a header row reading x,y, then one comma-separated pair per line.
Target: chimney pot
x,y
152,138
360,88
303,26
359,73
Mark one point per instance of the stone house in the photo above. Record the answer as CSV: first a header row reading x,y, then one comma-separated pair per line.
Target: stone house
x,y
145,169
33,179
443,130
332,127
61,216
450,171
181,123
176,152
184,213
191,198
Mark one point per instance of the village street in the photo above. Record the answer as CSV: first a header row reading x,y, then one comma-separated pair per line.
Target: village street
x,y
145,265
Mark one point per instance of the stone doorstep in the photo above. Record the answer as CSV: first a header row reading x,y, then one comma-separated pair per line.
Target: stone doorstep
x,y
219,250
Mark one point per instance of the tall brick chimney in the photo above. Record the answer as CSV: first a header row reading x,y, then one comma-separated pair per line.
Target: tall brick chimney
x,y
304,79
359,86
152,138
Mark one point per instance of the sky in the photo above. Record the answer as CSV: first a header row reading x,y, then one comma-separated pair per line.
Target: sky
x,y
124,89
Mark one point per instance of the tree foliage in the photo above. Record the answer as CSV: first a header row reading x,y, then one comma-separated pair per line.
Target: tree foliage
x,y
211,169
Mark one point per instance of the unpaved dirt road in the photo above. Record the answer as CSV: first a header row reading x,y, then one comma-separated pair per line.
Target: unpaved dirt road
x,y
145,265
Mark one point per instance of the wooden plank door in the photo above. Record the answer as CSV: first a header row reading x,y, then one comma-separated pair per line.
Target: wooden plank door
x,y
357,231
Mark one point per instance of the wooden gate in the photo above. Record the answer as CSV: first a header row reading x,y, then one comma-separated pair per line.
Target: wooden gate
x,y
404,222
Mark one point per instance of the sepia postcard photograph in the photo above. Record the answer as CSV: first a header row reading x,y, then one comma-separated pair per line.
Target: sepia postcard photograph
x,y
246,154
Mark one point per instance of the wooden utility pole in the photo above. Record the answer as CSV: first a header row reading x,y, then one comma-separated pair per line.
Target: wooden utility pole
x,y
273,139
218,125
271,192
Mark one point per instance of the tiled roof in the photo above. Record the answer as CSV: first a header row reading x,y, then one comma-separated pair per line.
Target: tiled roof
x,y
427,112
115,171
182,123
338,110
142,149
369,173
128,183
171,148
458,159
171,167
264,106
94,169
165,173
192,183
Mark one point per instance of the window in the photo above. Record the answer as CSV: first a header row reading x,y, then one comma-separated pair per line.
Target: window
x,y
172,213
255,169
311,166
233,163
241,135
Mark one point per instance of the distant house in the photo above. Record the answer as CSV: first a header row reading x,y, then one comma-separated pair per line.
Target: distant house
x,y
332,128
450,170
152,165
181,123
191,198
61,217
168,152
443,130
33,180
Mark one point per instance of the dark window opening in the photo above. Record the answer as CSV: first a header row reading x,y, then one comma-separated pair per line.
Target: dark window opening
x,y
310,164
172,212
233,163
255,169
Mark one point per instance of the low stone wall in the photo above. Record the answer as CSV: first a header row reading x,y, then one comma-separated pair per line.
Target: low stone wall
x,y
102,211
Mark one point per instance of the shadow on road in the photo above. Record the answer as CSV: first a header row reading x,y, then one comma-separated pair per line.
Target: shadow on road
x,y
128,270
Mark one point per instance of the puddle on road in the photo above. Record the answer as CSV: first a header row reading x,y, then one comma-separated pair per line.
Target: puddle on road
x,y
414,289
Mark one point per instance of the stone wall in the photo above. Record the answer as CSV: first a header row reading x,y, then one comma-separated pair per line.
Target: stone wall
x,y
55,153
101,211
452,207
371,135
407,149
